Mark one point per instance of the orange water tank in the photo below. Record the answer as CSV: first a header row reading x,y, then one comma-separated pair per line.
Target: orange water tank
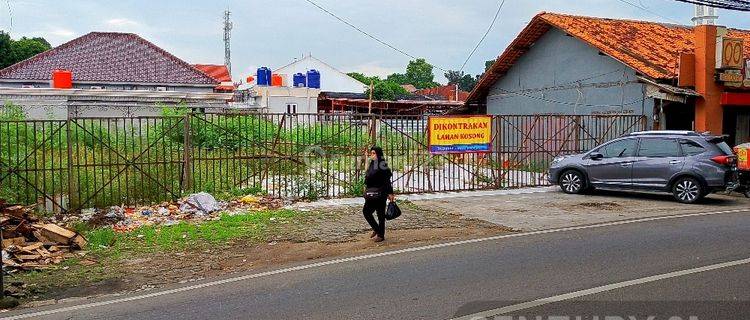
x,y
277,80
62,79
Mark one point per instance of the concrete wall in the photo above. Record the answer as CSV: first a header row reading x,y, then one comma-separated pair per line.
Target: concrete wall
x,y
549,72
109,86
276,99
52,104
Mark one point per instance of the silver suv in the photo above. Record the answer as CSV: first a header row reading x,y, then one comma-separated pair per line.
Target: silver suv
x,y
690,165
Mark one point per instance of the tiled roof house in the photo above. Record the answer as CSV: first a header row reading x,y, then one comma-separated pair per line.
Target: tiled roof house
x,y
567,64
110,60
114,75
219,73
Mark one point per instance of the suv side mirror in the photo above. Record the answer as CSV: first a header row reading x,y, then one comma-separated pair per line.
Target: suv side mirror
x,y
596,156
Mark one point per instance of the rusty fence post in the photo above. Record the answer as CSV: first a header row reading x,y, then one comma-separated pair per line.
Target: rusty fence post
x,y
187,152
69,142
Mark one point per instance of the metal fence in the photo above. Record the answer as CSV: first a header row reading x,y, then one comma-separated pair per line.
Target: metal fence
x,y
93,162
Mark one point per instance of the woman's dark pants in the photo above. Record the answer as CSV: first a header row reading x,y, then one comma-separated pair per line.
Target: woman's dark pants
x,y
375,205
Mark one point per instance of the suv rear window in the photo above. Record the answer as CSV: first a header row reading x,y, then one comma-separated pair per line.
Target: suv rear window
x,y
658,148
691,148
725,148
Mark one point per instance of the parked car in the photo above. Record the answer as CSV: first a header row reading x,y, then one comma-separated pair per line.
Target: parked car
x,y
688,164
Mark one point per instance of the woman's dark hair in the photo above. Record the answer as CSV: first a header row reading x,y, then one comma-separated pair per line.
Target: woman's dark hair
x,y
378,152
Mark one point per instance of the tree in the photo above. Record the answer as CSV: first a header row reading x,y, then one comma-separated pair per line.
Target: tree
x,y
399,78
418,73
488,64
13,51
25,48
465,81
5,50
387,90
363,78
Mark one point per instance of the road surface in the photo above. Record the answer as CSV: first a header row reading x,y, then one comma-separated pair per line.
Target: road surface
x,y
464,279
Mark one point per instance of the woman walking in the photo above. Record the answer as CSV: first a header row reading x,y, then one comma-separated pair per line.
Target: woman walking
x,y
378,189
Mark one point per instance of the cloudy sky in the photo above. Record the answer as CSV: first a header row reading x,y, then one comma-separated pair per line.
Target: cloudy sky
x,y
274,32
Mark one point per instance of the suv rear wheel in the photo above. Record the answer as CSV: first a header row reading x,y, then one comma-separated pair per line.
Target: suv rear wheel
x,y
573,182
688,190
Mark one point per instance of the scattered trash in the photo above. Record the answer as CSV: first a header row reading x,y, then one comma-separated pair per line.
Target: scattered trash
x,y
200,203
249,199
30,243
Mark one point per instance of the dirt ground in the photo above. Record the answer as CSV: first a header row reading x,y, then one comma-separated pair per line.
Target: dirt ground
x,y
324,233
555,209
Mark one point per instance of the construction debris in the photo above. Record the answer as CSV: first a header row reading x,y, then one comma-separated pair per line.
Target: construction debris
x,y
31,243
196,207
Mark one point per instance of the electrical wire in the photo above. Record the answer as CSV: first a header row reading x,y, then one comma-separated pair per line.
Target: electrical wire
x,y
572,103
492,24
368,34
649,11
737,5
547,88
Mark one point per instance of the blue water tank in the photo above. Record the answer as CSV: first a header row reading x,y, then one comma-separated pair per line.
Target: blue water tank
x,y
264,77
313,79
300,80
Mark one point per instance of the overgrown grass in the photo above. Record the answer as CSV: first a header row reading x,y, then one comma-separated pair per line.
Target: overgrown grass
x,y
109,249
253,227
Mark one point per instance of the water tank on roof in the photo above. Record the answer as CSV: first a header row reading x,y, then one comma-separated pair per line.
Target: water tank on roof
x,y
277,80
313,79
300,80
62,79
263,76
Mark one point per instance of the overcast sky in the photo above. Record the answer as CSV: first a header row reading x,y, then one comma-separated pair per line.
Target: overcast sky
x,y
274,32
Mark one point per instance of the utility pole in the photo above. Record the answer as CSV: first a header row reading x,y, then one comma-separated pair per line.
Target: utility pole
x,y
227,37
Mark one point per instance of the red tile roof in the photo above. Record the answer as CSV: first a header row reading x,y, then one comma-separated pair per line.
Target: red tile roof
x,y
447,92
218,72
650,48
109,57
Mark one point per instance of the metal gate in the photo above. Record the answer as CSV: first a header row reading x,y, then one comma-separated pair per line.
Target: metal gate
x,y
94,162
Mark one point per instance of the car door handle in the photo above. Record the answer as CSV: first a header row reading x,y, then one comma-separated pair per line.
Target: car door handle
x,y
626,164
675,162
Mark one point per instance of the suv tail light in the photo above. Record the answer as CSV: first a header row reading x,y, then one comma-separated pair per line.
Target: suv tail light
x,y
725,160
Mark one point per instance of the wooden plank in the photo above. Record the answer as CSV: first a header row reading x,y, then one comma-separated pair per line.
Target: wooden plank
x,y
19,241
28,256
57,234
32,247
80,241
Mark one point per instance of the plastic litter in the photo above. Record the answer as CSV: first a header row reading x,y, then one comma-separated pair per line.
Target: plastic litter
x,y
200,203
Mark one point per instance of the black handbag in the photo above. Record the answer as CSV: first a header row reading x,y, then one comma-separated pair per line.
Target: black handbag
x,y
373,193
393,211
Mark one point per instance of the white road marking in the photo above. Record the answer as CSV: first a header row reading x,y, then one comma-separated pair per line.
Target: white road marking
x,y
357,258
567,296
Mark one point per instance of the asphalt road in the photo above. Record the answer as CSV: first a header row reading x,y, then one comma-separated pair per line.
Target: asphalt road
x,y
463,279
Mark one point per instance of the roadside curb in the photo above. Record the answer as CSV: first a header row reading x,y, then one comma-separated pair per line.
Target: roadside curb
x,y
422,196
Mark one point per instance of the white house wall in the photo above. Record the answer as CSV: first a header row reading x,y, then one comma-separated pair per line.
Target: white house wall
x,y
564,75
331,80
